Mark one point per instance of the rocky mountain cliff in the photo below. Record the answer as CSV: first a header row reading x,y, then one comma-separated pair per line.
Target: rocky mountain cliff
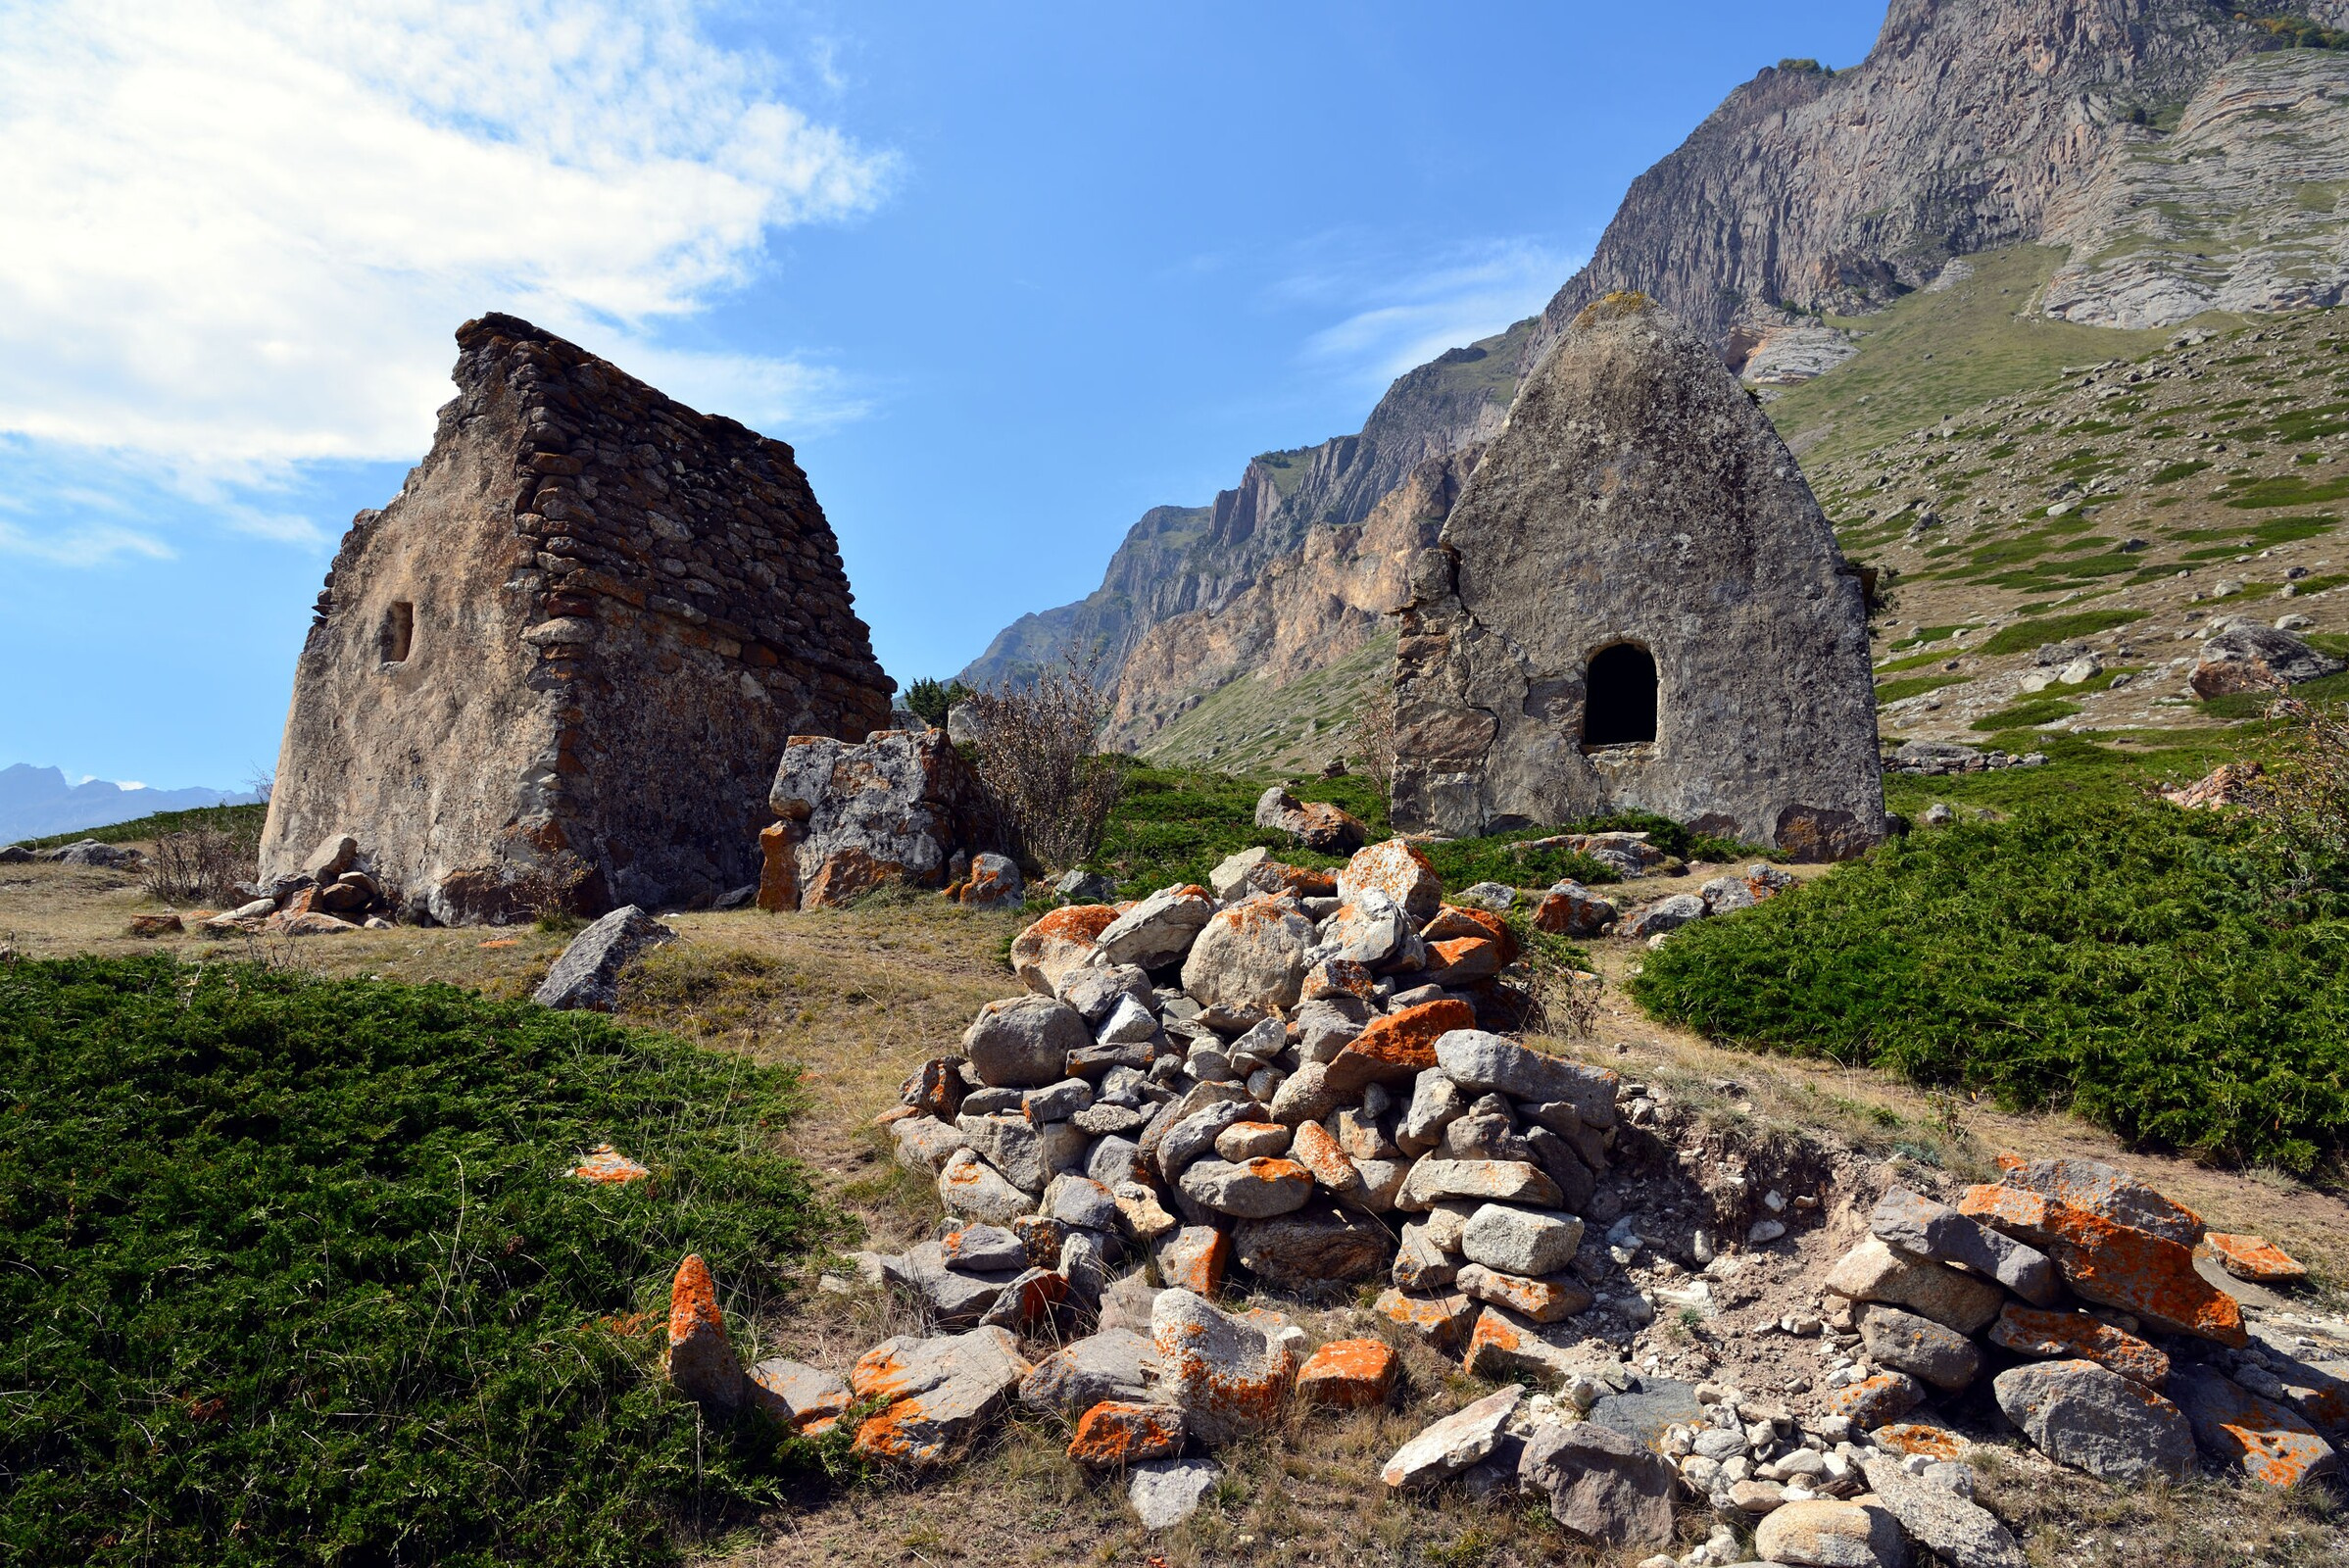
x,y
2189,160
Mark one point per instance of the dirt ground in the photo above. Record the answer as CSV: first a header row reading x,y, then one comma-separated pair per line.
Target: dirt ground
x,y
855,999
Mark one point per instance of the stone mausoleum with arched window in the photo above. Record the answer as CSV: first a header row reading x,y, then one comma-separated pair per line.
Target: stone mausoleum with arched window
x,y
1636,603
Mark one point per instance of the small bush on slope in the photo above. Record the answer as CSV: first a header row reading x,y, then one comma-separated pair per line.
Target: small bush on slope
x,y
2121,958
289,1272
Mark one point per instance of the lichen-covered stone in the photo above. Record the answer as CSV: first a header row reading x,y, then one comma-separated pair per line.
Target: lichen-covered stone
x,y
586,626
1118,1433
701,1361
1639,497
1230,1378
2075,1336
1350,1374
2113,1265
2078,1413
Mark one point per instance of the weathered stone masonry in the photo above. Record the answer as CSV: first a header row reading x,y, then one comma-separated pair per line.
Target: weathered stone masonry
x,y
589,623
1636,603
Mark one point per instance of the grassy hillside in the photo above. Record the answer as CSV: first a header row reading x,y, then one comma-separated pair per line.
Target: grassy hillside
x,y
1937,351
1255,725
292,1274
234,820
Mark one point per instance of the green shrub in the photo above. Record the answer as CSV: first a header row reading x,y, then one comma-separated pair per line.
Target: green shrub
x,y
2118,957
237,821
928,700
292,1274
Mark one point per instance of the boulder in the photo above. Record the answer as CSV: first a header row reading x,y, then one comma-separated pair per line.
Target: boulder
x,y
2255,1259
1644,1410
1194,1135
2249,657
1758,883
699,1360
1194,1259
1432,1180
1373,932
2113,1265
1046,954
1570,909
805,1398
1024,1042
1228,1377
970,1186
1918,1345
1872,1272
1166,1491
1923,1228
1436,1101
1602,1485
1317,825
934,1088
940,1394
1399,871
1439,1322
1396,1048
1112,1364
157,925
1665,914
2078,1413
1446,1448
1874,1401
1826,1533
993,883
1549,1300
2106,1190
1521,1241
1159,930
1026,1153
958,1296
894,808
1249,958
1489,1064
1097,991
1255,1189
2258,1437
1350,1374
588,974
2075,1336
1118,1433
1319,1153
1313,1248
1959,1532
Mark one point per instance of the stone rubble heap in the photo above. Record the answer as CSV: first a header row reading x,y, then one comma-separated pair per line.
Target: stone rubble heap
x,y
1933,759
2071,1288
335,891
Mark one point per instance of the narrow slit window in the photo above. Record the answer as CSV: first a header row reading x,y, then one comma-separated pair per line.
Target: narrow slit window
x,y
398,632
1620,709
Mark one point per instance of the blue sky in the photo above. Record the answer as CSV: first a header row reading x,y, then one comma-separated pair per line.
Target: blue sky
x,y
1005,276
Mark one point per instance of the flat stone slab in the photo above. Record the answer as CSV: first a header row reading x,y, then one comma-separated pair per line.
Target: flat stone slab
x,y
1166,1491
1450,1446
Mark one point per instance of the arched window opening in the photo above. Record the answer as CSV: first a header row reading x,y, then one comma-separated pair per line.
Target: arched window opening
x,y
398,632
1620,707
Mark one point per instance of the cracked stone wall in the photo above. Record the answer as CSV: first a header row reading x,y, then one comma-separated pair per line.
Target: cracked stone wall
x,y
1637,494
588,622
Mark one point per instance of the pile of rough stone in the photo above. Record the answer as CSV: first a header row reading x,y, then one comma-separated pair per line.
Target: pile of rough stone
x,y
2071,1290
333,892
87,851
1935,757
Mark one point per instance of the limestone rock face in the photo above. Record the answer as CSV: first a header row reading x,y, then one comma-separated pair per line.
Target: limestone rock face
x,y
1637,522
586,626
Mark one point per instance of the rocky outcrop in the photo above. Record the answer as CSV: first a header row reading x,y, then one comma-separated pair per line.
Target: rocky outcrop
x,y
1974,124
1637,604
1308,608
564,657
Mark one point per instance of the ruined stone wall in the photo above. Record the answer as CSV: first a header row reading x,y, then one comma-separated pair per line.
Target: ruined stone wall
x,y
621,610
1639,496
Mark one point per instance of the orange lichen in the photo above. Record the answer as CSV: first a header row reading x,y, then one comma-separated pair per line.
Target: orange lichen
x,y
693,1300
778,867
495,942
1872,1401
2077,1336
1350,1373
1318,1153
1915,1437
1465,957
1116,1432
1438,1321
1399,1045
1195,1260
2113,1265
2256,1258
607,1164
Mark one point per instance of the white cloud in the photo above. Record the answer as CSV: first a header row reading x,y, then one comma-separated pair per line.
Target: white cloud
x,y
240,234
1403,314
81,544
